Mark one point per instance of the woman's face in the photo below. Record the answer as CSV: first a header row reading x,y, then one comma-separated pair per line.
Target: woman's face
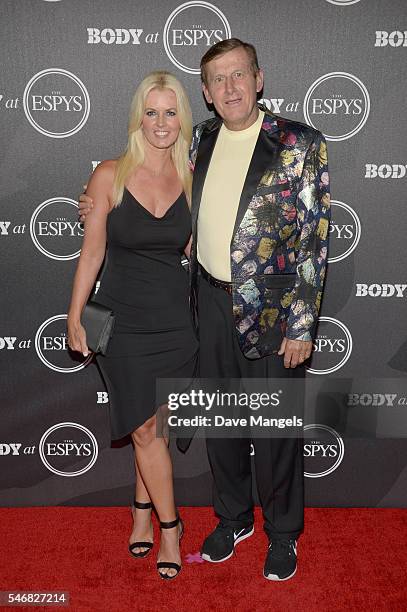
x,y
160,123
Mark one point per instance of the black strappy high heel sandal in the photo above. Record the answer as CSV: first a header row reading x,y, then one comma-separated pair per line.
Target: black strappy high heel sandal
x,y
170,564
148,545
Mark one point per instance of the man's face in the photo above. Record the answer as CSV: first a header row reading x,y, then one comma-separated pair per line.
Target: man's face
x,y
232,88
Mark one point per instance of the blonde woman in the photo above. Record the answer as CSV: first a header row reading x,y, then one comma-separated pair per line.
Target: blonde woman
x,y
141,209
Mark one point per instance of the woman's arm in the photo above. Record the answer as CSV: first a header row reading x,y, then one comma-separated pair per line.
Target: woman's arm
x,y
92,253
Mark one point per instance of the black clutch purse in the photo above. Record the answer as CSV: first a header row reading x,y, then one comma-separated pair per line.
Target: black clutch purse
x,y
98,322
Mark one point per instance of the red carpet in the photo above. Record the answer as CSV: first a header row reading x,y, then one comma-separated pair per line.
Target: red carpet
x,y
348,559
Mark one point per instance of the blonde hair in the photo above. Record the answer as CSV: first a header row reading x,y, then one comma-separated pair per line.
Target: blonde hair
x,y
133,155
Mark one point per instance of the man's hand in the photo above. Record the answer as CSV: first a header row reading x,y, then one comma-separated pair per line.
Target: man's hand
x,y
85,205
295,352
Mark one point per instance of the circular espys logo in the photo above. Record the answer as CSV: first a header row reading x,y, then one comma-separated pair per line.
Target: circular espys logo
x,y
344,231
56,230
323,450
338,104
343,2
190,30
56,103
331,348
68,449
51,345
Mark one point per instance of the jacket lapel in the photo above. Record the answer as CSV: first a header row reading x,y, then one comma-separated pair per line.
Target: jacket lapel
x,y
265,156
205,150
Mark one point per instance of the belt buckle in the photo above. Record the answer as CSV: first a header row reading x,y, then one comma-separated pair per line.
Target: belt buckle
x,y
225,286
228,288
216,282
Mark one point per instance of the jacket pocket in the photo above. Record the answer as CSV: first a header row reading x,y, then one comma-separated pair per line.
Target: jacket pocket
x,y
276,188
278,281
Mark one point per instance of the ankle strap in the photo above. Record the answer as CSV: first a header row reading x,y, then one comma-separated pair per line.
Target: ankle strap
x,y
142,505
169,524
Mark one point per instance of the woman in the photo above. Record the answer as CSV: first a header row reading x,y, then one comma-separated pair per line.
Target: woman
x,y
141,208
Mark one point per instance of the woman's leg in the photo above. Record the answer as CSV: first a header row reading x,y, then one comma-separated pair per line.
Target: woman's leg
x,y
142,524
154,463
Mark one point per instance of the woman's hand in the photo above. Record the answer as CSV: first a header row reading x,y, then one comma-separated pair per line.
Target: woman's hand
x,y
77,337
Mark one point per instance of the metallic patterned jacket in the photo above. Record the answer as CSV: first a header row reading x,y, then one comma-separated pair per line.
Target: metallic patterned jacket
x,y
278,250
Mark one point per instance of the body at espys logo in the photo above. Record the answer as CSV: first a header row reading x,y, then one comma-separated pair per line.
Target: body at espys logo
x,y
384,290
331,348
323,450
344,231
190,30
385,171
52,348
56,103
68,449
338,104
55,229
393,39
12,448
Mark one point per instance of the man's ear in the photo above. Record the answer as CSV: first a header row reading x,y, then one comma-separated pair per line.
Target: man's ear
x,y
207,95
259,80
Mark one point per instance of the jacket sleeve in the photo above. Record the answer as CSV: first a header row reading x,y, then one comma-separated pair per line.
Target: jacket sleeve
x,y
313,216
193,149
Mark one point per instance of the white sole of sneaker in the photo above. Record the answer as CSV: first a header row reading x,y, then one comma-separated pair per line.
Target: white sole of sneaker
x,y
237,541
276,578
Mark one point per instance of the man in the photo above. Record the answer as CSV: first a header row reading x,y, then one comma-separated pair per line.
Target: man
x,y
260,217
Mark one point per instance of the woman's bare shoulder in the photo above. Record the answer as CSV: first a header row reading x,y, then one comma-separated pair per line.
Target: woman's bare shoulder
x,y
103,177
100,185
106,169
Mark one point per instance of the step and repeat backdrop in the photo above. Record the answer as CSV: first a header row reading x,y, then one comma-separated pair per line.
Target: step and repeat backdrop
x,y
69,71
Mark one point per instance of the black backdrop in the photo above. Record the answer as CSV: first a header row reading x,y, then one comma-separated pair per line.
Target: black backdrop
x,y
69,70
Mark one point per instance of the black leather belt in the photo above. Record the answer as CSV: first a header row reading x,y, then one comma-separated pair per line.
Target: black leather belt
x,y
228,287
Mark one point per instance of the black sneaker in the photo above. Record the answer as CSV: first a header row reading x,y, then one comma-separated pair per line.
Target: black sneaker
x,y
281,560
220,544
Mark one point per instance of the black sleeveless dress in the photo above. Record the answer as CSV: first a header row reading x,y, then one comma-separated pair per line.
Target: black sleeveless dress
x,y
146,286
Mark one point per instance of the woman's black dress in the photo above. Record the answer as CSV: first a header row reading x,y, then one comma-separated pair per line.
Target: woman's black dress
x,y
146,286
